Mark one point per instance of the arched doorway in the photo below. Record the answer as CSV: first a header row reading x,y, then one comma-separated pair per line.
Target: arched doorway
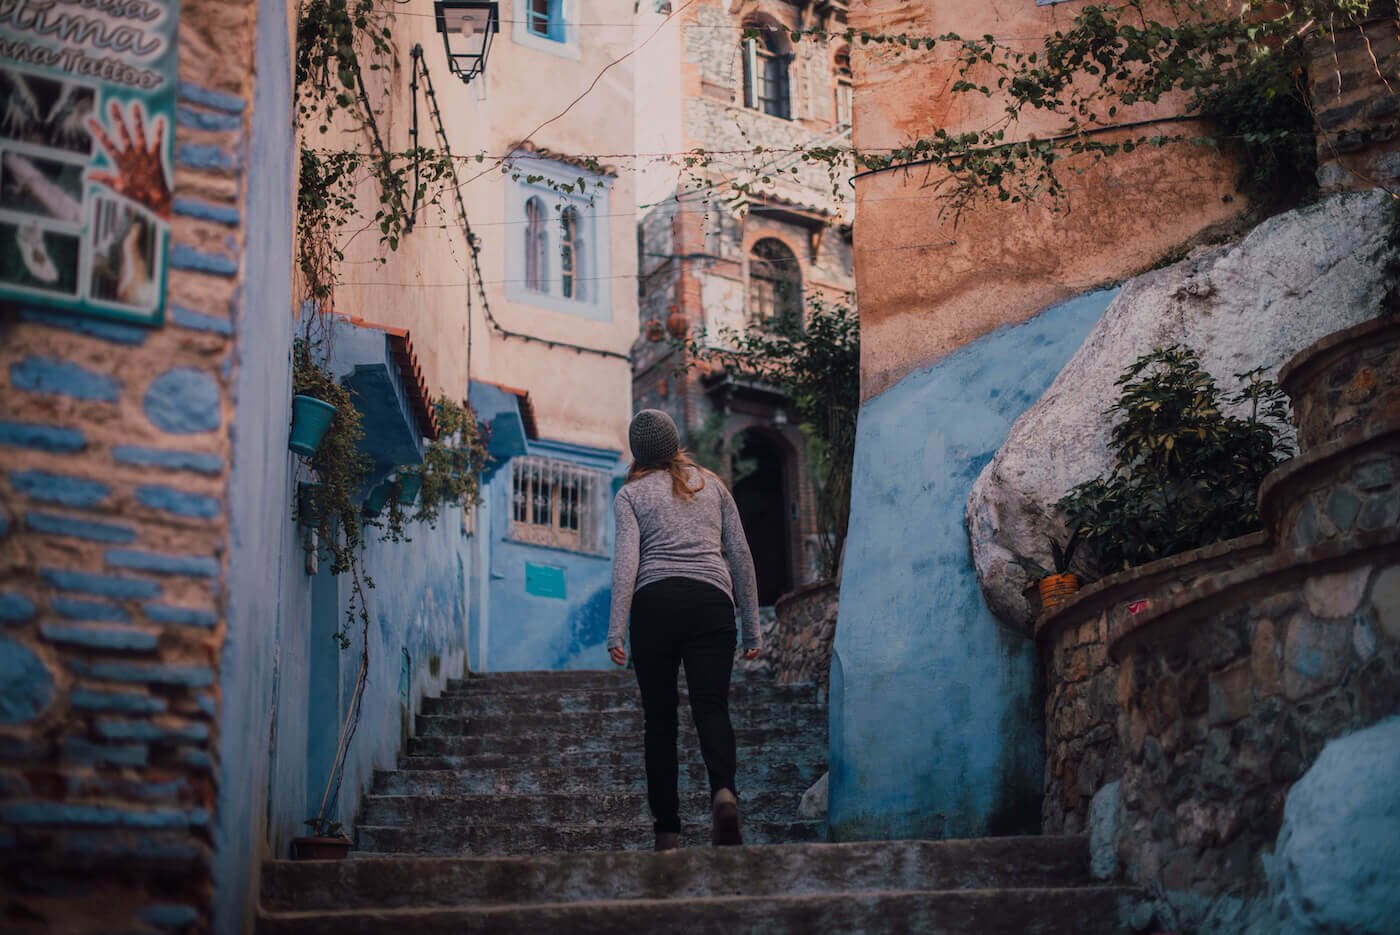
x,y
760,492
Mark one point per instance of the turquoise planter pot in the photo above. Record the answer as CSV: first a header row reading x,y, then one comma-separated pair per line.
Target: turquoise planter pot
x,y
310,419
378,497
408,488
308,505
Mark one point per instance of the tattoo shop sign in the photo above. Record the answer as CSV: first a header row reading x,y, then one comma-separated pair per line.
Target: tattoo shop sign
x,y
87,107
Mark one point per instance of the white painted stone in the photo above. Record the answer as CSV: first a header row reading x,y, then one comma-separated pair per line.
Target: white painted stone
x,y
1336,864
1103,831
813,804
1294,279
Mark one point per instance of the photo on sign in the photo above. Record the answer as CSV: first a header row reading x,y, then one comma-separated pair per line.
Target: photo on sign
x,y
46,111
32,257
43,187
125,243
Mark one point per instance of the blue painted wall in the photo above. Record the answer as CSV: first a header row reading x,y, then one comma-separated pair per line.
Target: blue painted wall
x,y
285,685
513,629
261,473
936,710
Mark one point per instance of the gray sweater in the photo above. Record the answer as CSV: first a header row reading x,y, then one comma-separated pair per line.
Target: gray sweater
x,y
660,536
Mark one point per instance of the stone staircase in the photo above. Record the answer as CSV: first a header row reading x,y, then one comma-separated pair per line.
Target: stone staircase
x,y
521,806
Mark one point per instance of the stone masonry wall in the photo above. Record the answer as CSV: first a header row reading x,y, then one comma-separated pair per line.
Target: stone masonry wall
x,y
114,452
804,634
1353,84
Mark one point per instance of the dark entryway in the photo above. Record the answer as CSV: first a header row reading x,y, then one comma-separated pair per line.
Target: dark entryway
x,y
759,494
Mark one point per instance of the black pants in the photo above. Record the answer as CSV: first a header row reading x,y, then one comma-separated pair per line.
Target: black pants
x,y
679,620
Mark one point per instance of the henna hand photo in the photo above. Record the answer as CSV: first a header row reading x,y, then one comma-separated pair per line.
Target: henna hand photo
x,y
140,174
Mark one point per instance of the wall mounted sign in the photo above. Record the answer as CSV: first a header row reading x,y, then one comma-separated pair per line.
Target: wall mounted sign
x,y
86,127
544,581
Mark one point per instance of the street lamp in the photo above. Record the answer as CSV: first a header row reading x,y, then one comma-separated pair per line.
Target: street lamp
x,y
467,27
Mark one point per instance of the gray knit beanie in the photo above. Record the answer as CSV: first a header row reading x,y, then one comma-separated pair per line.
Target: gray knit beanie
x,y
653,437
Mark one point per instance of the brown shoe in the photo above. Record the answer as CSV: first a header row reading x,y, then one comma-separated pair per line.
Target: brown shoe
x,y
726,812
667,840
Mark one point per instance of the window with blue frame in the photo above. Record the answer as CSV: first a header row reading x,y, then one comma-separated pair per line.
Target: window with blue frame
x,y
545,18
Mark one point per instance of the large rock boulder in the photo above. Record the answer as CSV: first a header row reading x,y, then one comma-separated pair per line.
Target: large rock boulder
x,y
1293,279
1336,865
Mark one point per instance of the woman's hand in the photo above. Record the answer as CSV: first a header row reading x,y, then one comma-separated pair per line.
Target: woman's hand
x,y
619,655
751,653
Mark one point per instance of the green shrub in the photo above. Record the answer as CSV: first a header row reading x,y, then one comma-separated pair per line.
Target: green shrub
x,y
1185,474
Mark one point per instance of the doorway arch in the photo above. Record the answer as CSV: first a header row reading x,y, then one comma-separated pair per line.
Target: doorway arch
x,y
761,493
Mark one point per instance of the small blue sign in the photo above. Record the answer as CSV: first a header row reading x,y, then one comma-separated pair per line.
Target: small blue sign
x,y
544,580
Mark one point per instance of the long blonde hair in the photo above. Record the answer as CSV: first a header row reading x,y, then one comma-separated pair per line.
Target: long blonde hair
x,y
676,466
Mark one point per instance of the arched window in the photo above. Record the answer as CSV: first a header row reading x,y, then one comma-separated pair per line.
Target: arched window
x,y
570,254
842,69
536,246
766,60
775,285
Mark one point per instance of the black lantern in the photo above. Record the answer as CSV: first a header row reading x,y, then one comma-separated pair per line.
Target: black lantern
x,y
467,27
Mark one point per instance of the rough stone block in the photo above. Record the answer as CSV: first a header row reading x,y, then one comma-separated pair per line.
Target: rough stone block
x,y
63,378
103,585
55,439
26,685
150,673
1373,475
1342,507
75,609
115,700
170,916
199,321
186,616
79,528
1313,655
183,401
179,502
147,732
174,460
1264,659
107,637
59,488
68,813
207,97
15,608
1336,595
1230,694
198,565
211,159
1385,598
1382,511
78,750
84,324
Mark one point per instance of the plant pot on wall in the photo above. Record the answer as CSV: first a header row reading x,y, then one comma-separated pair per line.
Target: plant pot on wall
x,y
1056,589
408,488
310,419
320,848
377,498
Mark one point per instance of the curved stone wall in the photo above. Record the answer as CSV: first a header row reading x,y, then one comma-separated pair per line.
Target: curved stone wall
x,y
1232,666
804,634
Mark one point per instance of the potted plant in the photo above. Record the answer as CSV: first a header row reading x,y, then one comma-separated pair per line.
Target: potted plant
x,y
327,841
1056,587
378,497
409,484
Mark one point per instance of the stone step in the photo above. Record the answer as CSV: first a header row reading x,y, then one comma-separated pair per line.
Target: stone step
x,y
445,776
623,754
744,737
472,702
511,839
541,682
688,873
556,808
804,719
1046,911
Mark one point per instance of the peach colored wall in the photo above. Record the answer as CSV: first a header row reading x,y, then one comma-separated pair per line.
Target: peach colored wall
x,y
929,282
424,286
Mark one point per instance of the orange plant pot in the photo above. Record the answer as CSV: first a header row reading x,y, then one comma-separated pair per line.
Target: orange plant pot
x,y
1055,589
